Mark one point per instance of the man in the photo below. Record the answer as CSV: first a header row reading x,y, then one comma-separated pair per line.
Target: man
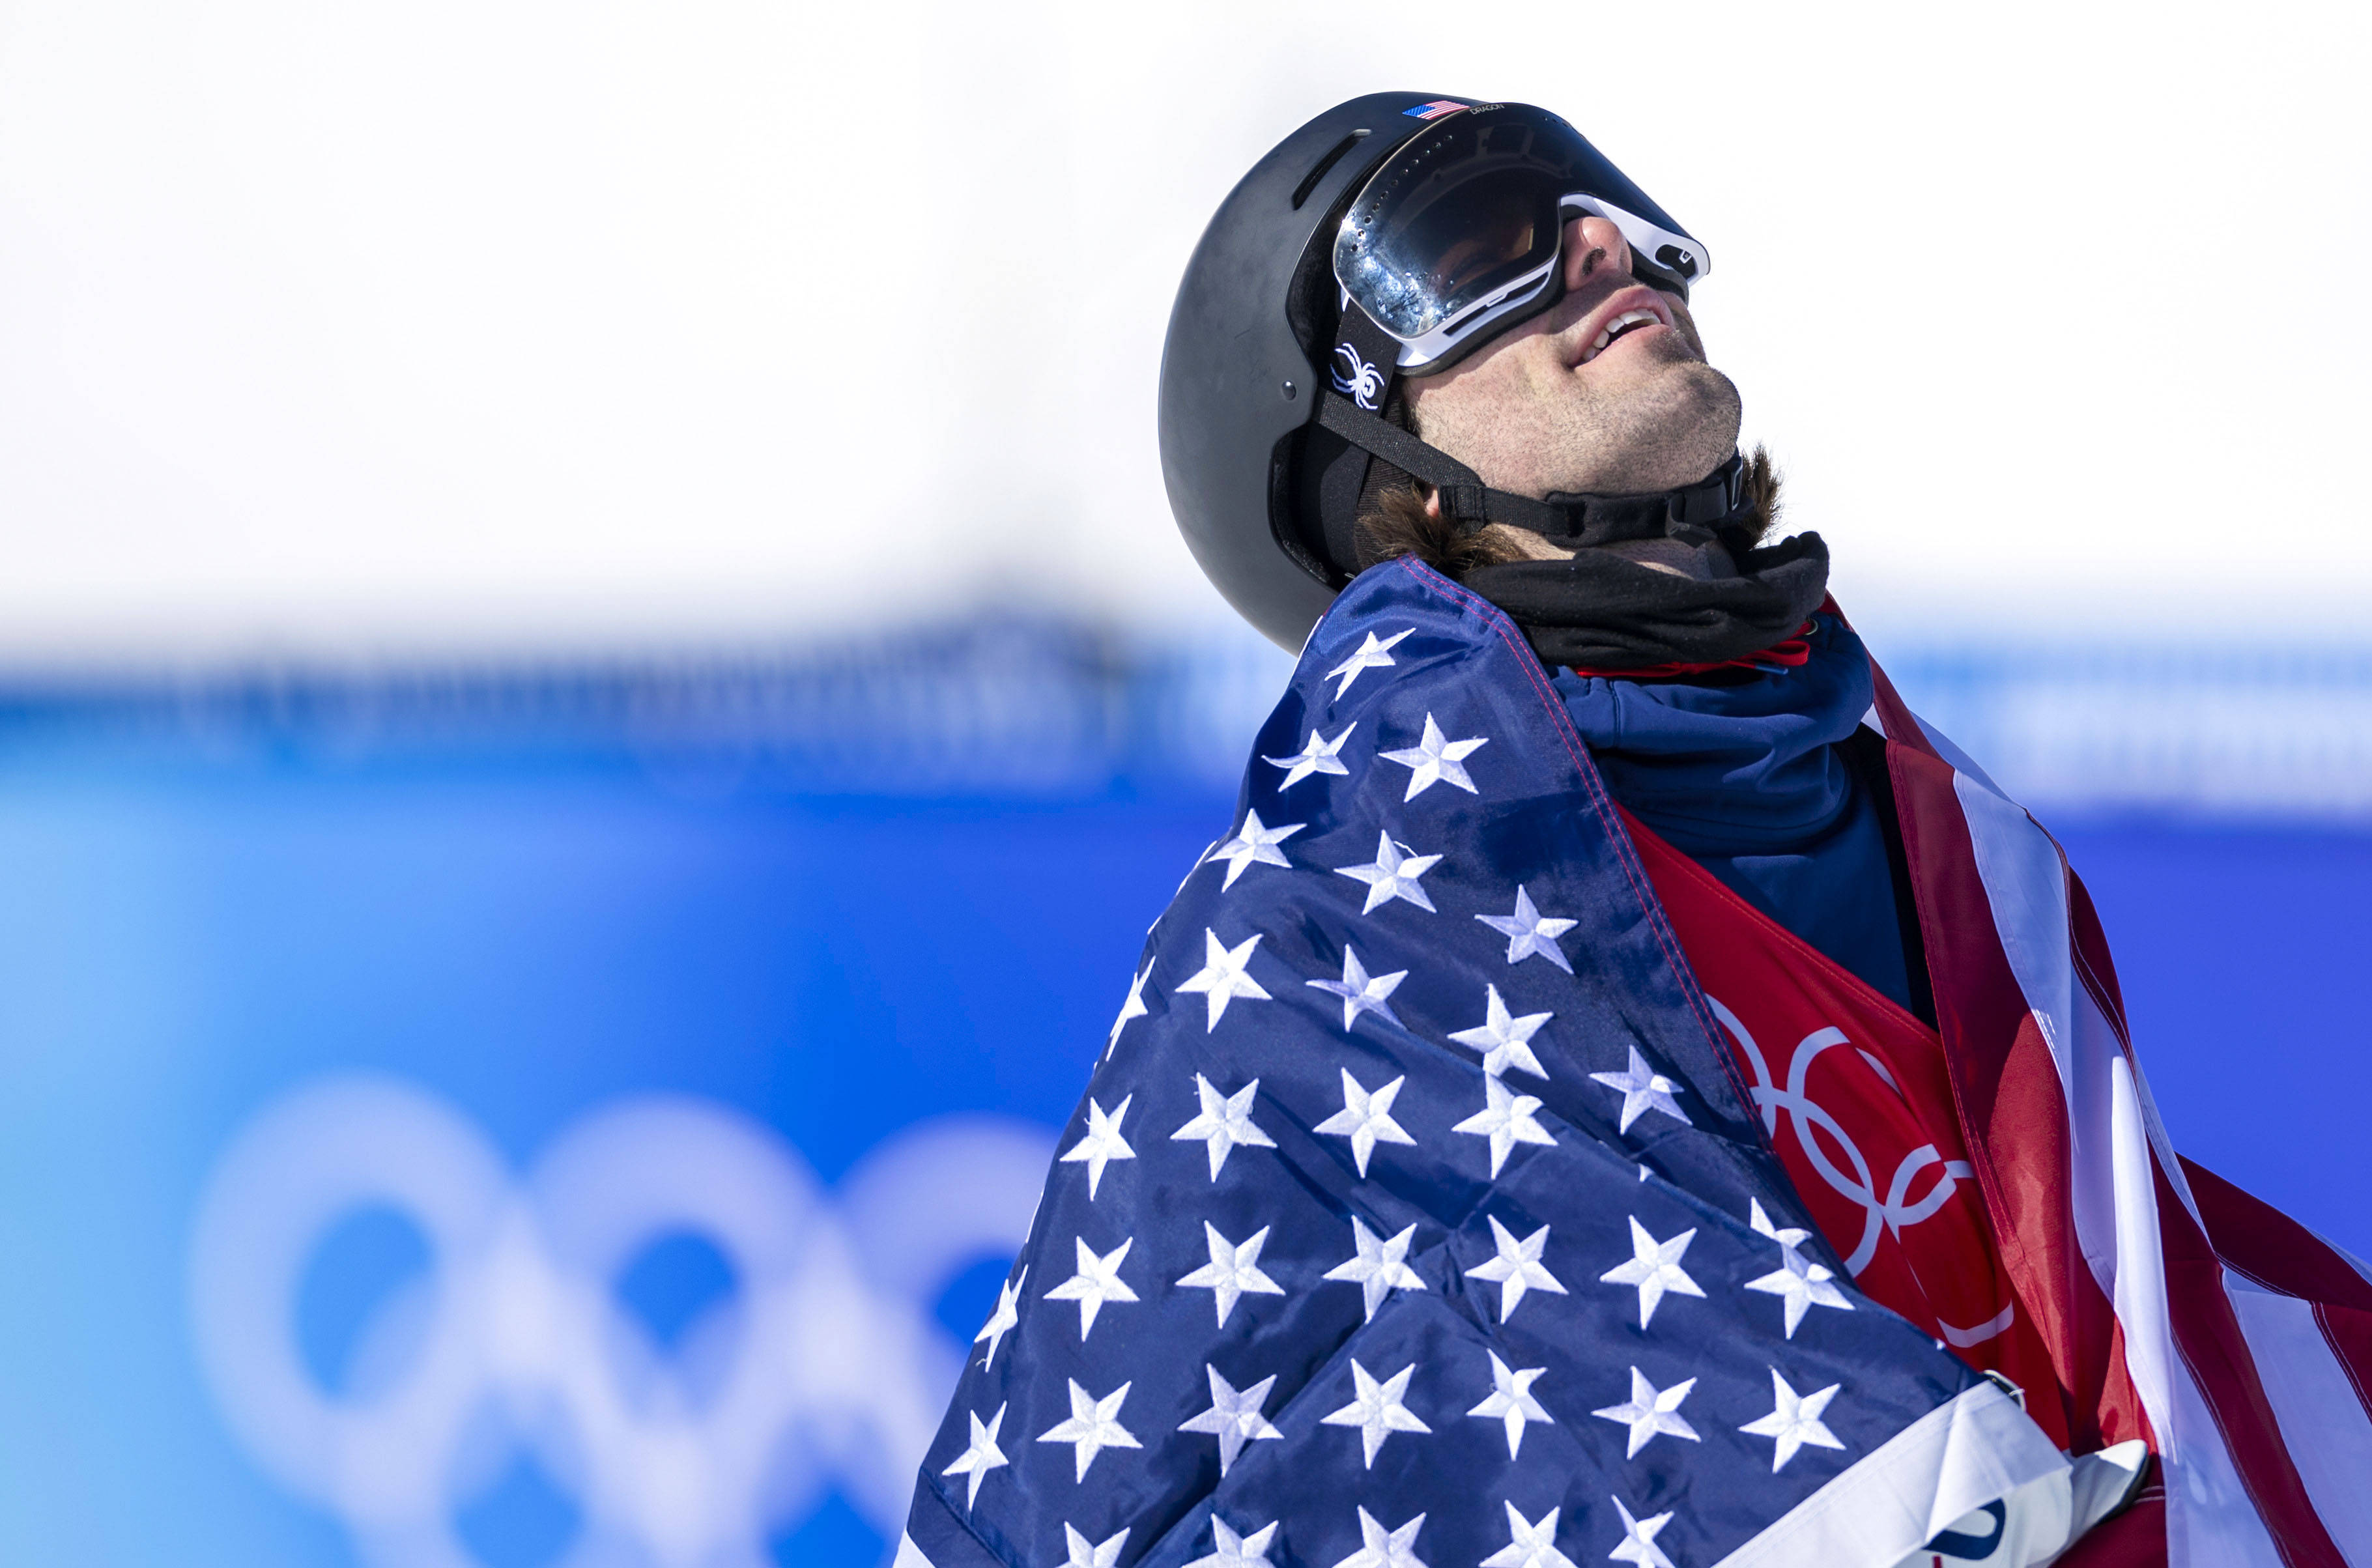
x,y
1623,1089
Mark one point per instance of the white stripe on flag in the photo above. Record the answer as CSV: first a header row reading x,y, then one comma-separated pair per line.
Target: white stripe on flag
x,y
2324,1423
1959,1457
2137,1283
2209,1520
2027,887
2210,1523
1960,761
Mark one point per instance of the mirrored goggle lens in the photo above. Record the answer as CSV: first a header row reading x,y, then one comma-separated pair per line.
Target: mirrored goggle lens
x,y
1464,221
1449,244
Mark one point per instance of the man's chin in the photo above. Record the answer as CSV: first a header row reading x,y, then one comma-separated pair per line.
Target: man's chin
x,y
1677,424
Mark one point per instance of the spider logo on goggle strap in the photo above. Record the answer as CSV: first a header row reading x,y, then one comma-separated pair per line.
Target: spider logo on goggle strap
x,y
1365,383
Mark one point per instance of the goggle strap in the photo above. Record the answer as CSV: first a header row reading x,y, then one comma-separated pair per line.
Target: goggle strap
x,y
1463,495
1690,513
1366,361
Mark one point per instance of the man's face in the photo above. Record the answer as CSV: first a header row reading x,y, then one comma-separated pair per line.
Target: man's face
x,y
1548,407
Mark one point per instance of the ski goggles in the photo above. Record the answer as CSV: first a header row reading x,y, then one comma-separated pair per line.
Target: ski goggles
x,y
1462,225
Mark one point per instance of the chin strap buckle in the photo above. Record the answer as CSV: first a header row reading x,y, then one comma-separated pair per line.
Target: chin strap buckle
x,y
1466,503
1697,510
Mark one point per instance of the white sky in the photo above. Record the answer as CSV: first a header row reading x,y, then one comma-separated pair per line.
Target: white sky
x,y
365,327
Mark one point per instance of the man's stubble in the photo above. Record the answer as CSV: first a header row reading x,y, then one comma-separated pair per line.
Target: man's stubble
x,y
1547,430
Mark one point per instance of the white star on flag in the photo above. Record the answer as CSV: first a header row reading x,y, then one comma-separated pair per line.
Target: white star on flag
x,y
1800,1282
1505,1041
1132,1008
1366,1118
1507,1120
1533,1546
1511,1403
1379,1268
1008,1314
1102,1145
1518,1268
982,1457
1654,1268
1097,1281
1318,755
1253,845
1377,1409
1233,1271
1652,1412
1229,1550
1093,1427
1395,1549
1234,1417
1221,978
1437,760
1224,1123
1102,1554
1393,875
1639,1539
1795,1421
1528,932
1361,992
1372,655
1643,1089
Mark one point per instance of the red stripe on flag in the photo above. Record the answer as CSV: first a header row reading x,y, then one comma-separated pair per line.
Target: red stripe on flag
x,y
2012,1113
2135,1539
2208,1335
2348,1332
2281,1254
1902,727
2119,1409
2015,1118
2092,953
2271,1248
2207,1330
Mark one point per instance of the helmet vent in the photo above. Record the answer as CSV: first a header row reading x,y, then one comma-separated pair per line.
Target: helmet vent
x,y
1318,171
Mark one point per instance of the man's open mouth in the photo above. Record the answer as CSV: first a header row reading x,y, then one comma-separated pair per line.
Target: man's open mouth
x,y
1628,321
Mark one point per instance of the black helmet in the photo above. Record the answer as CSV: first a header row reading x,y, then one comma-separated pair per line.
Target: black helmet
x,y
1271,426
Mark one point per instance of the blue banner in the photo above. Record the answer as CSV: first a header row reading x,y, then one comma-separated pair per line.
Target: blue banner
x,y
487,1119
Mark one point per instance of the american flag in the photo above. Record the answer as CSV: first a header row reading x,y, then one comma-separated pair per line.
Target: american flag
x,y
1415,1216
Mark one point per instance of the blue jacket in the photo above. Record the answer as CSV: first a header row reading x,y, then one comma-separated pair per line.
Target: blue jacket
x,y
1749,778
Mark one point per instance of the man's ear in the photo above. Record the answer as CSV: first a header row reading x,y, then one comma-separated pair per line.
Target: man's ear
x,y
1432,503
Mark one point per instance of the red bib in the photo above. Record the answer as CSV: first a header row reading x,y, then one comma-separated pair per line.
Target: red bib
x,y
1853,1092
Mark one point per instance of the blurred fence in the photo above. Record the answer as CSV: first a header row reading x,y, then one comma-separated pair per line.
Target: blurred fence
x,y
1008,707
2252,735
1054,710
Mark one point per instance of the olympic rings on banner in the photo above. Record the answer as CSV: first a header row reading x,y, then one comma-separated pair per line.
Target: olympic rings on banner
x,y
1896,1209
824,1370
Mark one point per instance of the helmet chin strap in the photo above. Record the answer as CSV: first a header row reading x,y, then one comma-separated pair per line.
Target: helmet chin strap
x,y
1366,363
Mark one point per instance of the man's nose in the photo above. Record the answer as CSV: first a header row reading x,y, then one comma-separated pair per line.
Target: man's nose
x,y
1593,246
